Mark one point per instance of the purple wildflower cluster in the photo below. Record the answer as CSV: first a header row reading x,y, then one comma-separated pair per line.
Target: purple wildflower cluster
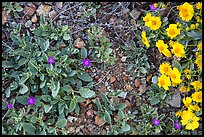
x,y
86,62
156,122
152,7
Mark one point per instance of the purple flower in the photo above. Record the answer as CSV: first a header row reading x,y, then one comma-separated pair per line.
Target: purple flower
x,y
156,122
9,105
51,60
31,101
176,125
152,7
86,62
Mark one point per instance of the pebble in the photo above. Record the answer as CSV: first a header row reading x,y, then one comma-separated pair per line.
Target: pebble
x,y
28,24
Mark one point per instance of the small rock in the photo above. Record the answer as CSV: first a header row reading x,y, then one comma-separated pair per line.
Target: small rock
x,y
89,113
99,121
3,36
137,82
123,59
79,43
135,13
123,94
112,19
176,100
4,17
142,89
96,77
43,9
28,24
128,104
53,14
59,4
62,45
149,77
112,79
71,129
29,10
154,79
34,19
129,88
125,77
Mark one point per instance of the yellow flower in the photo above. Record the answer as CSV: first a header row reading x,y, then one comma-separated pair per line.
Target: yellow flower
x,y
197,96
188,76
175,76
197,85
171,42
197,18
187,101
194,107
165,68
183,89
186,11
144,39
164,81
172,31
147,19
190,120
187,28
198,61
179,113
200,46
192,26
163,48
163,5
178,49
155,4
154,23
187,71
199,5
197,25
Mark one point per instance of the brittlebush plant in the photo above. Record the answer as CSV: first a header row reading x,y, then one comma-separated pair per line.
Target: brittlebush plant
x,y
181,42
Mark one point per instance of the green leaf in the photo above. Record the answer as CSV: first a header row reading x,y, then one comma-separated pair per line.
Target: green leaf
x,y
42,84
107,117
64,28
19,9
22,61
72,104
85,77
154,100
176,64
161,116
56,89
46,98
15,39
45,45
129,67
66,36
196,35
24,89
165,19
143,110
22,100
72,73
125,128
47,108
83,52
86,93
28,128
61,123
108,50
7,64
23,79
103,39
63,58
104,98
121,114
98,103
143,70
121,106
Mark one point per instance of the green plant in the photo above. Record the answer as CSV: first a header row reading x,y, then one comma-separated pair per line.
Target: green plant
x,y
100,46
57,88
138,60
12,7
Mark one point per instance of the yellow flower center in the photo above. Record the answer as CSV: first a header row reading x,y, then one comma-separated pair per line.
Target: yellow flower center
x,y
154,22
187,105
184,10
161,48
172,32
166,69
190,120
198,96
173,76
144,40
176,50
162,82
